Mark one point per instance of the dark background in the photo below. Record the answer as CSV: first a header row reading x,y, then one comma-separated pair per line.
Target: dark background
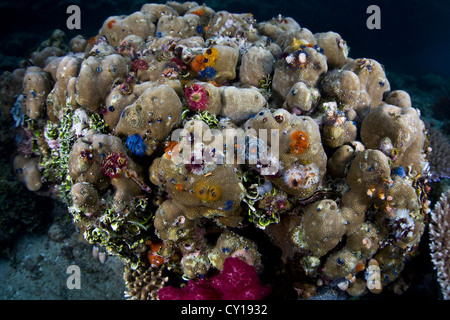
x,y
414,35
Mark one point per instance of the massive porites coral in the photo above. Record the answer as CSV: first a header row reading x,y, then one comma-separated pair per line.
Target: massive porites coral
x,y
152,117
97,74
204,147
302,160
101,160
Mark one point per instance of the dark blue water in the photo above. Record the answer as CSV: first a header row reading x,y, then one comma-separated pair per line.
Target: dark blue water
x,y
413,39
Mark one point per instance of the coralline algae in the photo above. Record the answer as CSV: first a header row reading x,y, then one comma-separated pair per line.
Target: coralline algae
x,y
208,136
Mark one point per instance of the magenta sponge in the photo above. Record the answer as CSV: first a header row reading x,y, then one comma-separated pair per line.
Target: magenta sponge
x,y
237,281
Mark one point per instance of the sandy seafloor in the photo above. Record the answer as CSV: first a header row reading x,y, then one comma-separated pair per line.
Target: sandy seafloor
x,y
37,266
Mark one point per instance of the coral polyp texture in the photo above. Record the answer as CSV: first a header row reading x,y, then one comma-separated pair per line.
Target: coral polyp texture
x,y
439,235
225,158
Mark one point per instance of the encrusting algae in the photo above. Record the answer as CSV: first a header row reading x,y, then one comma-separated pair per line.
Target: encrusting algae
x,y
182,138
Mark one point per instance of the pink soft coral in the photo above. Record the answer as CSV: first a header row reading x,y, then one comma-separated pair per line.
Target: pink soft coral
x,y
237,281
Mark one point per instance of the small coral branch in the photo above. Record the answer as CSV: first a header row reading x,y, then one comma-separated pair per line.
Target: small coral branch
x,y
440,242
133,176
